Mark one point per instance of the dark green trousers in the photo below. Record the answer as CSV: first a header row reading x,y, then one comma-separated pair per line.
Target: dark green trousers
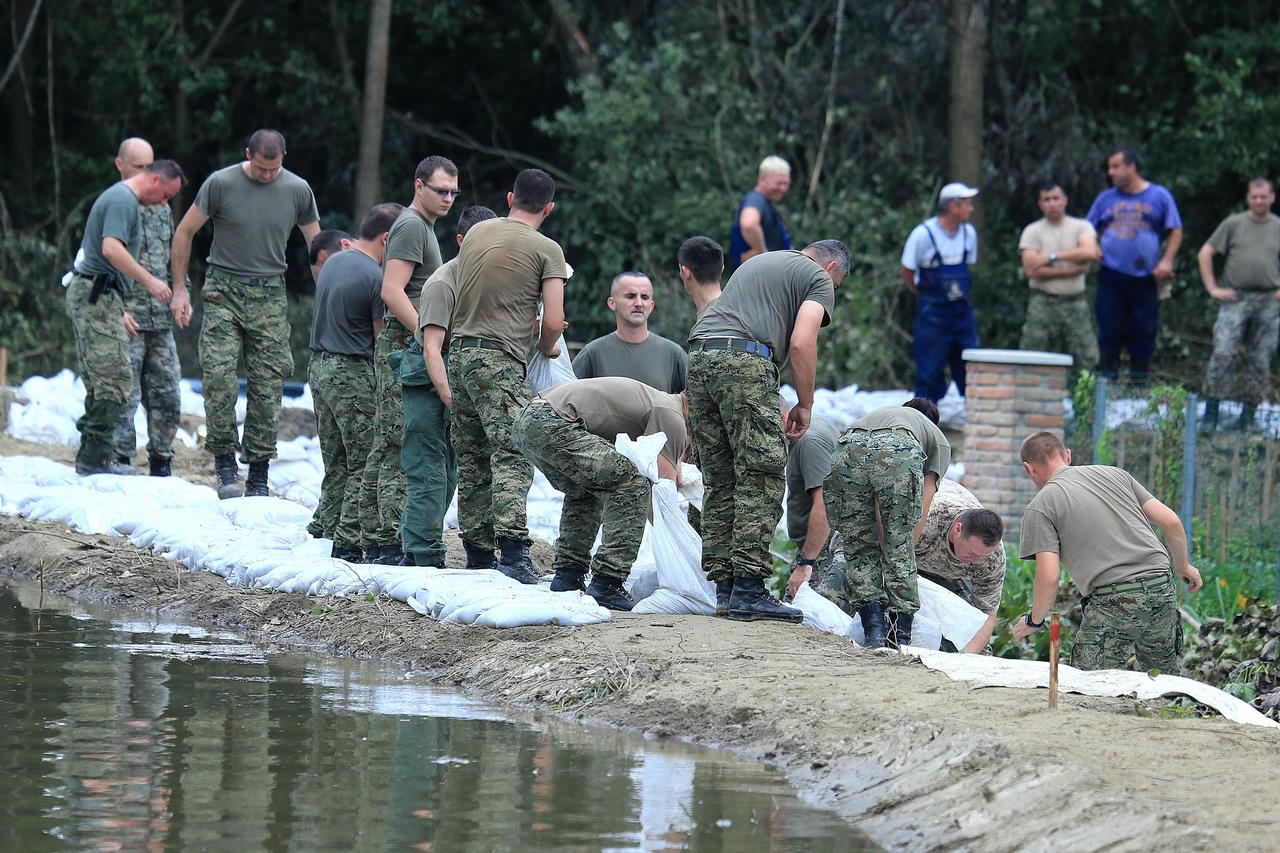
x,y
430,467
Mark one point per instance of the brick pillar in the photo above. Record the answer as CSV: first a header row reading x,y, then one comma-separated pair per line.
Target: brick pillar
x,y
1010,394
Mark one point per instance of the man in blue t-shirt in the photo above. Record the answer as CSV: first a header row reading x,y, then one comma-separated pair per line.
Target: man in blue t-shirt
x,y
1131,218
758,227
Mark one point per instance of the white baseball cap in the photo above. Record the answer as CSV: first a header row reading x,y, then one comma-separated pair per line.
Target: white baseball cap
x,y
956,190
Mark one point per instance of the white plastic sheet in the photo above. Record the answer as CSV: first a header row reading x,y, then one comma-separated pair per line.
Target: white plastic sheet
x,y
544,373
942,614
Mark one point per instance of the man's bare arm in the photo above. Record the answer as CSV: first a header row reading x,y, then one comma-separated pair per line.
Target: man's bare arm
x,y
309,231
432,344
395,278
930,489
909,279
117,254
1044,594
553,324
179,260
752,233
804,365
1175,538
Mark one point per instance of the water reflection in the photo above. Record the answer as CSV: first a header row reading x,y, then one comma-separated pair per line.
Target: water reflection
x,y
139,736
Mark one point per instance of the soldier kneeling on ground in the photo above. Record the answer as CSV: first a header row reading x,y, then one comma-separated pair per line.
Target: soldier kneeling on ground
x,y
568,433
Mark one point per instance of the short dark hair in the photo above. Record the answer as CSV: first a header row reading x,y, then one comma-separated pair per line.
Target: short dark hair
x,y
534,189
379,219
1040,446
167,169
983,523
831,250
329,240
924,406
427,167
473,214
703,257
268,143
1128,155
1050,185
1262,182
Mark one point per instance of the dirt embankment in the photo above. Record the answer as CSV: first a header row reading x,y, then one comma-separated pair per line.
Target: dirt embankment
x,y
915,760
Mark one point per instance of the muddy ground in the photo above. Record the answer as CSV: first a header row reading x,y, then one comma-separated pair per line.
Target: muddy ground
x,y
915,760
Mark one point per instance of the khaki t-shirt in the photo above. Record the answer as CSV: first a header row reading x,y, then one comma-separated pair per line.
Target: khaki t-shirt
x,y
654,361
1091,517
808,466
934,554
614,404
439,296
252,221
1252,249
501,267
412,238
937,450
762,298
1044,235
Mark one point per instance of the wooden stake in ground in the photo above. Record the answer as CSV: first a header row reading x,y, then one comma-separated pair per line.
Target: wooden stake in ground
x,y
4,367
1055,641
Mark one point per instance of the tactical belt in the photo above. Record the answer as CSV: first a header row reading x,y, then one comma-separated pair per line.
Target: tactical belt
x,y
732,344
102,282
1154,582
256,280
477,343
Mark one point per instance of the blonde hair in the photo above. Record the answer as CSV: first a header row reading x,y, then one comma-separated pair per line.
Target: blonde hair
x,y
774,164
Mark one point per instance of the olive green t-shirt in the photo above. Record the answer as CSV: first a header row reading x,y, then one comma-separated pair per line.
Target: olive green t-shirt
x,y
252,221
412,238
937,450
1252,249
808,466
439,295
1091,517
116,213
762,298
654,361
614,404
501,267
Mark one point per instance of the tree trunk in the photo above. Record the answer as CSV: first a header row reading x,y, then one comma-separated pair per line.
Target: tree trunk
x,y
968,31
368,177
20,115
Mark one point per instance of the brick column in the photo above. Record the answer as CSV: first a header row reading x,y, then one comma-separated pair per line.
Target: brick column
x,y
1010,394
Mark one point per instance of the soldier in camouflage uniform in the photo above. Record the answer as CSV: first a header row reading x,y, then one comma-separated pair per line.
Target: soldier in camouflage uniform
x,y
568,433
769,314
886,470
106,267
1095,521
153,356
1248,325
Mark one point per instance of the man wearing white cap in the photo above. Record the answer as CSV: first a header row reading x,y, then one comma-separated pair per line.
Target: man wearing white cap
x,y
935,268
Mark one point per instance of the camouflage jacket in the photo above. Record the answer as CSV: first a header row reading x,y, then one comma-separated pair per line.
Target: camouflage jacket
x,y
151,314
933,553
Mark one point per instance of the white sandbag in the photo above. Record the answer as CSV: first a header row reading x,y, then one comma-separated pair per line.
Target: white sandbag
x,y
672,603
35,470
563,611
267,513
821,613
948,614
544,373
642,581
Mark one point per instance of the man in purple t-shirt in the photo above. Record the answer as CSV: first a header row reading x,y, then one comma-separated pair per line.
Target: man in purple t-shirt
x,y
1131,218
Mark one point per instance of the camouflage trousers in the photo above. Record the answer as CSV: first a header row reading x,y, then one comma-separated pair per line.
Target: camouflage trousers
x,y
102,358
737,434
430,467
489,392
153,358
1130,618
384,483
342,386
885,469
249,319
1244,340
1061,324
600,485
829,562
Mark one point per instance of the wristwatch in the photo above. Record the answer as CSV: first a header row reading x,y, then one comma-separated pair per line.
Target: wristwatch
x,y
1031,624
802,560
1053,256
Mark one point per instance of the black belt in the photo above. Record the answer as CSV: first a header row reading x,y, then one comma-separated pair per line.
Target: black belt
x,y
102,282
477,343
733,345
248,279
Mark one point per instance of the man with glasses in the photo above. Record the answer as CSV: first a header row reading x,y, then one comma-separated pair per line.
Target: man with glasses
x,y
412,255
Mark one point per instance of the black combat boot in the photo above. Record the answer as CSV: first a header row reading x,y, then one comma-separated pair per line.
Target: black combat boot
x,y
751,601
609,592
256,485
350,553
121,459
873,631
229,485
724,591
567,579
479,558
389,555
899,633
160,466
1209,423
515,562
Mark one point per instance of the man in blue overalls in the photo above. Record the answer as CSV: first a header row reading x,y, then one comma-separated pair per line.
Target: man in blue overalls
x,y
935,268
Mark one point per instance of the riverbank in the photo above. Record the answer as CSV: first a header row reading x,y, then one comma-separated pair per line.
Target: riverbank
x,y
912,758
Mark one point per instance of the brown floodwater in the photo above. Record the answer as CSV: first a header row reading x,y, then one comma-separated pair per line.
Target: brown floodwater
x,y
121,734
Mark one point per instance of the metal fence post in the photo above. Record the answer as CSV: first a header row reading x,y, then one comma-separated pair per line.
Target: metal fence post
x,y
1099,417
1189,466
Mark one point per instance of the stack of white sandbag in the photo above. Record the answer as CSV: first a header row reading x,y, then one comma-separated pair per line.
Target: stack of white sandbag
x,y
843,406
262,543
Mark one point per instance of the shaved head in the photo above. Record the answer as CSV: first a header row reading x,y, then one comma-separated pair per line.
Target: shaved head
x,y
628,278
133,155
